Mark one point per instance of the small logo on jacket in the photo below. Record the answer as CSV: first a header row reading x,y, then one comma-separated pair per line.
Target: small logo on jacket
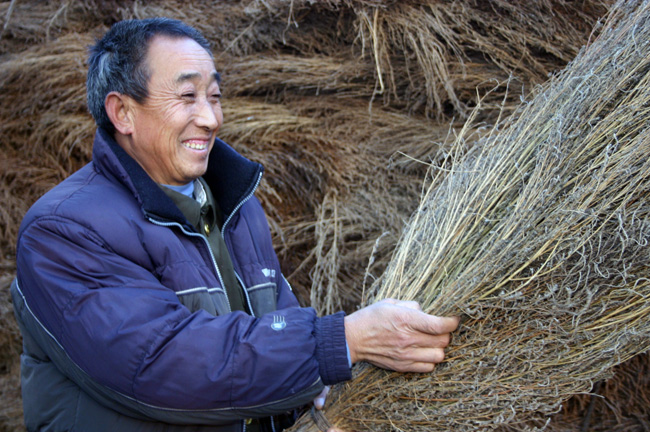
x,y
278,323
268,272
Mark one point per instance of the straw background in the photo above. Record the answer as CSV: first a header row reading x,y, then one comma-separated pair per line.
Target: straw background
x,y
348,104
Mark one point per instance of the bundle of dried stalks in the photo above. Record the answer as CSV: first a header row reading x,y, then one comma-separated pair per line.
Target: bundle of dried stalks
x,y
538,237
45,127
44,81
619,404
283,73
438,38
27,23
431,56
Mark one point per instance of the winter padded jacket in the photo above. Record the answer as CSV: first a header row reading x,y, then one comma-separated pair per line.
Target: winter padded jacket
x,y
125,321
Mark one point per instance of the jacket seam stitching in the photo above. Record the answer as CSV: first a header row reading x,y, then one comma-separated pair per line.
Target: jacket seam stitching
x,y
75,191
76,413
95,236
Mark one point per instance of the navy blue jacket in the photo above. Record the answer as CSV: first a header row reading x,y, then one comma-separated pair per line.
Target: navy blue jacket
x,y
125,322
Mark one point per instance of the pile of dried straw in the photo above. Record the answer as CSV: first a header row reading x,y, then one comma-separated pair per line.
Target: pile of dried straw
x,y
538,236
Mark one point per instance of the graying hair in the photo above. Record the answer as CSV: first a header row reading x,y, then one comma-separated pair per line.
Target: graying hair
x,y
117,61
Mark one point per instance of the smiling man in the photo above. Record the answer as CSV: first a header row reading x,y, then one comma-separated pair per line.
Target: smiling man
x,y
148,292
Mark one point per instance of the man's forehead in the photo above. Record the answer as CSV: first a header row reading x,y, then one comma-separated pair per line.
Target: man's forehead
x,y
180,59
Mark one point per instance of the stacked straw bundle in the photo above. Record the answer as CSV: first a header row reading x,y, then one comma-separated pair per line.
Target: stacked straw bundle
x,y
538,236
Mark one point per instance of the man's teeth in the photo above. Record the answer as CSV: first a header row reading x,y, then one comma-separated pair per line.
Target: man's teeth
x,y
195,145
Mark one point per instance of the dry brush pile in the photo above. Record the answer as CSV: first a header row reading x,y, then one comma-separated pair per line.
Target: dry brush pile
x,y
537,235
342,101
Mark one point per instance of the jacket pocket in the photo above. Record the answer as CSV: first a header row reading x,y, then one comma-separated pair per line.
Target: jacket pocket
x,y
263,298
212,300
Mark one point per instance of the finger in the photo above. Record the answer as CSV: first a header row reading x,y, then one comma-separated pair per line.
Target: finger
x,y
424,355
319,401
426,340
421,360
417,367
434,324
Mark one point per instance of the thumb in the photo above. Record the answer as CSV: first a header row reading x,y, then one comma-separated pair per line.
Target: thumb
x,y
319,401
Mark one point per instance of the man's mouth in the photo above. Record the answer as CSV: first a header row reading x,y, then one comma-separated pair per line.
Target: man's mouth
x,y
195,144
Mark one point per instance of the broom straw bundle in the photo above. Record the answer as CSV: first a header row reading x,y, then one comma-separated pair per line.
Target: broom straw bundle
x,y
538,237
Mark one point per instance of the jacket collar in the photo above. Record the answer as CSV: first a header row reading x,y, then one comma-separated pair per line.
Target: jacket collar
x,y
230,176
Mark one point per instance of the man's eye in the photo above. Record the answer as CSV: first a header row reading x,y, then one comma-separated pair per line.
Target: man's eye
x,y
188,95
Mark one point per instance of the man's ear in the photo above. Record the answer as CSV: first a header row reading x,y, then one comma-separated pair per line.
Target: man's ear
x,y
118,109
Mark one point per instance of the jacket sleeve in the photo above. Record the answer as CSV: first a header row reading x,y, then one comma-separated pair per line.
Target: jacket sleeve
x,y
124,338
331,346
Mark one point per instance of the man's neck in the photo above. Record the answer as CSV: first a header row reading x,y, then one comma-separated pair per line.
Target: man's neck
x,y
186,189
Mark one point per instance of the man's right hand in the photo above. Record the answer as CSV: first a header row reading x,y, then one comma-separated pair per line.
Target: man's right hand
x,y
397,335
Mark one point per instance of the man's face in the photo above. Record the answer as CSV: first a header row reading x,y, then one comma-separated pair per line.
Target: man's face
x,y
174,129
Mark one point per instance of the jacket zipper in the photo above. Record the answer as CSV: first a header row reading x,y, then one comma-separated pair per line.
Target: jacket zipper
x,y
216,267
223,230
241,282
241,203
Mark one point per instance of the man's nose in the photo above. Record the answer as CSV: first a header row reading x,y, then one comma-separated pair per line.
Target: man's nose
x,y
206,116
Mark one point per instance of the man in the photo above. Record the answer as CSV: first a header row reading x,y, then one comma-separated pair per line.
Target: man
x,y
148,292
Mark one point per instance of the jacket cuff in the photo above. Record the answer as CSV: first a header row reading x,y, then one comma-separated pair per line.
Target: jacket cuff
x,y
331,349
